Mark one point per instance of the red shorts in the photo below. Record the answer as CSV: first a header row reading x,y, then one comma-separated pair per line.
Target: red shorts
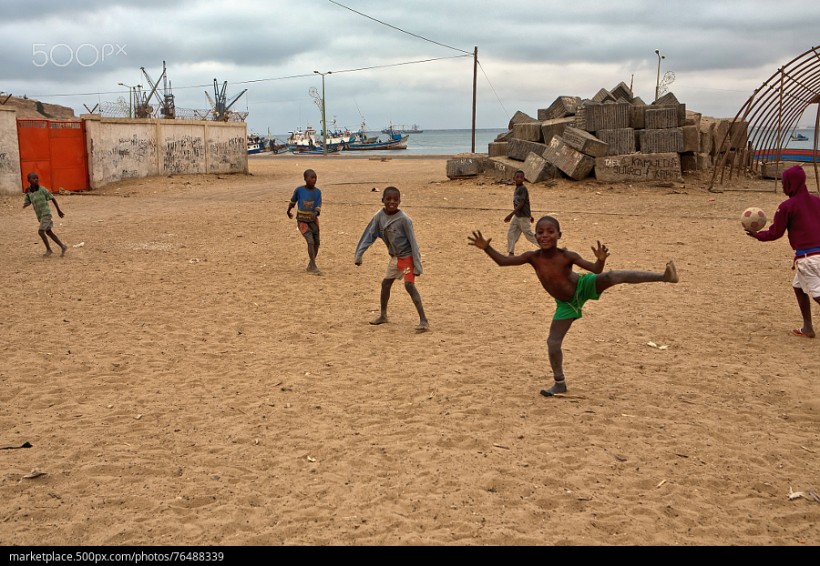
x,y
401,268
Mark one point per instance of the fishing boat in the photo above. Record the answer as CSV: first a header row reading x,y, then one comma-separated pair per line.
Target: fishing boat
x,y
310,137
254,148
799,137
395,141
393,129
786,154
316,150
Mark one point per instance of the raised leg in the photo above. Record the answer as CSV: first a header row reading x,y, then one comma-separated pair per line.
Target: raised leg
x,y
617,277
57,241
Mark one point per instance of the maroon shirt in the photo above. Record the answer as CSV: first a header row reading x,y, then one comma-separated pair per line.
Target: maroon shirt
x,y
799,214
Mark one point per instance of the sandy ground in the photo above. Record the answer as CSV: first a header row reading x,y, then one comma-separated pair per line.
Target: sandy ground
x,y
183,381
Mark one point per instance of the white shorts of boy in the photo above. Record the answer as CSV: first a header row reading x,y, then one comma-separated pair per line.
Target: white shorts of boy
x,y
808,275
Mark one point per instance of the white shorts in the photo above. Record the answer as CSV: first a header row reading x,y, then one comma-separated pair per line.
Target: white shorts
x,y
808,275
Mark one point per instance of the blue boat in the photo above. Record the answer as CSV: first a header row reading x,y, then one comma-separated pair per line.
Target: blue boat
x,y
395,141
799,137
317,150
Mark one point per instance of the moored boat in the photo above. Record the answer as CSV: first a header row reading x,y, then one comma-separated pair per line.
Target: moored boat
x,y
394,129
799,137
396,141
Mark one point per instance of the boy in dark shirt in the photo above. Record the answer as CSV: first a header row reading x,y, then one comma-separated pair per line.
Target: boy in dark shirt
x,y
521,216
308,202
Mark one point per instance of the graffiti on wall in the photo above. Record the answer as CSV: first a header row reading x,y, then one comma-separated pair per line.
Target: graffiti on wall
x,y
7,165
228,155
185,154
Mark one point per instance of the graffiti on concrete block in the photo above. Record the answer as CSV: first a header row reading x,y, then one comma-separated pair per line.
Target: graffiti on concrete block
x,y
185,154
644,167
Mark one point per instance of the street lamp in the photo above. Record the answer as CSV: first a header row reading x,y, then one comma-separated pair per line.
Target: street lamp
x,y
324,121
658,80
130,98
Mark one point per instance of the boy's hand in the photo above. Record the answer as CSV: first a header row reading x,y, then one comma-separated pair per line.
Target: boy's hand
x,y
751,234
601,252
478,240
508,217
290,214
532,219
60,212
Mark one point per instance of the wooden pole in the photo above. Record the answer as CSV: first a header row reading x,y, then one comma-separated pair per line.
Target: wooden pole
x,y
475,79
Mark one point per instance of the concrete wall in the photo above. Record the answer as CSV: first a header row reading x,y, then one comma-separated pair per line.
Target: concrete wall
x,y
10,176
126,148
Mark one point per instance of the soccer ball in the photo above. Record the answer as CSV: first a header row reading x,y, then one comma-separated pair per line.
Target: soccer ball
x,y
753,219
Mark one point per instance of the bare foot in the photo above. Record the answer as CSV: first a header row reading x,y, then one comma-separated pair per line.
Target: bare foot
x,y
557,387
381,320
671,274
311,268
48,253
64,249
423,326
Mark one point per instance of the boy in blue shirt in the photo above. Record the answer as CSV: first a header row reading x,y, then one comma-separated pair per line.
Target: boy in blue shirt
x,y
308,202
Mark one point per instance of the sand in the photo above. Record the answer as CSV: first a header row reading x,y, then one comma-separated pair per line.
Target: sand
x,y
183,381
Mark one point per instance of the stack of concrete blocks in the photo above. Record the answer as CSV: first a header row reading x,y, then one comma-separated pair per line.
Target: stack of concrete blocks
x,y
624,138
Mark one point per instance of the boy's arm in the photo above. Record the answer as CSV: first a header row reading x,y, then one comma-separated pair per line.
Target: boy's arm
x,y
371,232
57,206
317,207
601,253
776,230
478,241
414,246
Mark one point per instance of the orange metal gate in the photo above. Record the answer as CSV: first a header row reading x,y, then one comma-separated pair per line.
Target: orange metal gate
x,y
55,150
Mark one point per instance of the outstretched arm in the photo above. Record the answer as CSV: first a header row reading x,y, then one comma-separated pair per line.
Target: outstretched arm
x,y
57,206
477,240
601,253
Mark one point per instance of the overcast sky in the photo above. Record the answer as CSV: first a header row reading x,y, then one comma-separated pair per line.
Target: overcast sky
x,y
530,52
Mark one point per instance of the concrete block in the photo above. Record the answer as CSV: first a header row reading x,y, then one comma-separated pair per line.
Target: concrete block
x,y
688,162
461,167
503,167
602,96
622,91
519,149
637,116
562,106
693,118
707,138
661,141
537,169
620,141
529,131
691,138
584,142
575,164
593,116
556,127
497,149
519,117
774,169
661,118
639,168
504,136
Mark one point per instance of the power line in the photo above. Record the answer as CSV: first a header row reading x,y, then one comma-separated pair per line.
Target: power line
x,y
493,89
399,29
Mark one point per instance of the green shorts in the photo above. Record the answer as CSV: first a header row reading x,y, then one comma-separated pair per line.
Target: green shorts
x,y
584,291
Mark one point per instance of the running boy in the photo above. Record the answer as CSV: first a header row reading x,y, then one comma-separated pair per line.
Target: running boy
x,y
553,266
800,215
521,216
395,228
39,197
308,202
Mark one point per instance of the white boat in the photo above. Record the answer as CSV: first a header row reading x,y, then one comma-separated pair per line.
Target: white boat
x,y
310,138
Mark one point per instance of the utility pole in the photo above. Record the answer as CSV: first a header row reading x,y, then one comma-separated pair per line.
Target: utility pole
x,y
658,81
475,77
324,115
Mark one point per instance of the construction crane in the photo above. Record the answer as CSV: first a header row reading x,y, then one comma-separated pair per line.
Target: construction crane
x,y
221,108
166,101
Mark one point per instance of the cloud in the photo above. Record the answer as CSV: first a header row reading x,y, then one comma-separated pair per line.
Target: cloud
x,y
529,53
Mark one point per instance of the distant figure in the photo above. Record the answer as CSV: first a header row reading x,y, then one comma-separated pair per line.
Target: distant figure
x,y
39,197
395,228
800,216
553,266
307,199
521,216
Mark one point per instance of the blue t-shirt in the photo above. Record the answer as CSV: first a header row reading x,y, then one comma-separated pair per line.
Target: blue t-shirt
x,y
308,202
